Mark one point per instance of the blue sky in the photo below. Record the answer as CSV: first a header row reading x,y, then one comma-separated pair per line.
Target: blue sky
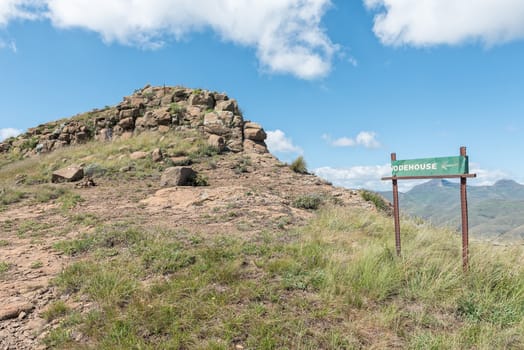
x,y
343,83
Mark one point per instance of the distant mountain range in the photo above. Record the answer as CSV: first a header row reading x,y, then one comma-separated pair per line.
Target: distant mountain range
x,y
495,211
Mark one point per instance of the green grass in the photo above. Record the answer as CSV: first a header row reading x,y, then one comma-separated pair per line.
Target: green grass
x,y
379,202
4,267
243,165
105,159
55,310
10,196
32,228
48,193
299,165
333,284
36,264
307,201
175,108
69,201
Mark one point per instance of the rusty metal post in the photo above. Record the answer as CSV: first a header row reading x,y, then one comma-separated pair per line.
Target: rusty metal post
x,y
464,208
396,209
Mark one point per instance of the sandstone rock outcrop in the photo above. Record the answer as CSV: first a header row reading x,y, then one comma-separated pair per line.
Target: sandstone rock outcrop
x,y
149,109
254,136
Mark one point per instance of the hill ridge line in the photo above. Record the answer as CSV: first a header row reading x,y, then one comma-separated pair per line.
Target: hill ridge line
x,y
151,108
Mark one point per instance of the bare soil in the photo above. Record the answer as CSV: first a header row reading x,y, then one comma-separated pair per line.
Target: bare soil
x,y
243,197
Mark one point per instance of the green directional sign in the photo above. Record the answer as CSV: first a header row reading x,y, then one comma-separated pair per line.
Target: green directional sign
x,y
430,166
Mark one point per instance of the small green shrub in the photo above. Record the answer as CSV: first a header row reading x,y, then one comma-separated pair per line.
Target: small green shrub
x,y
29,144
4,267
36,264
379,202
299,165
149,95
55,310
175,108
242,165
57,338
200,180
308,201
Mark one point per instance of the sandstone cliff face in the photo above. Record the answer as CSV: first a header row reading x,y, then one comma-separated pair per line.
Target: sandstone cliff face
x,y
149,109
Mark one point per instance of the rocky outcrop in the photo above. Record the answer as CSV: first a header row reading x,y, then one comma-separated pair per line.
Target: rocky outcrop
x,y
254,137
160,109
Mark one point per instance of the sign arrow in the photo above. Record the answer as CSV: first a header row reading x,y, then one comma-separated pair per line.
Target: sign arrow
x,y
446,166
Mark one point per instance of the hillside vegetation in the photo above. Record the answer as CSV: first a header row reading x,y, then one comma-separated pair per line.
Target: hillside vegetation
x,y
244,260
333,284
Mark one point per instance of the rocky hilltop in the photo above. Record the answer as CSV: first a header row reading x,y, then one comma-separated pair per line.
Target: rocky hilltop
x,y
149,109
179,167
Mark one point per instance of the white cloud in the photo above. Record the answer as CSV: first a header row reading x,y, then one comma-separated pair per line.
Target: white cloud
x,y
369,177
8,44
485,177
286,34
367,139
361,176
20,9
9,132
434,22
277,141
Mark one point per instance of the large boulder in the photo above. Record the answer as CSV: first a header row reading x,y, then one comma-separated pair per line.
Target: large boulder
x,y
105,134
202,98
218,123
217,142
138,155
127,123
4,147
70,174
81,137
146,122
254,132
178,176
14,309
181,94
227,105
156,155
129,113
251,146
162,116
